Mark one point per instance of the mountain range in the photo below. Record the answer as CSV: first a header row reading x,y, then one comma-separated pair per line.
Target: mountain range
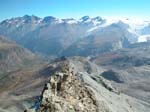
x,y
57,37
74,65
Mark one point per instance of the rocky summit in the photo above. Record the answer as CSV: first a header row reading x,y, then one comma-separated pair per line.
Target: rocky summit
x,y
65,93
74,87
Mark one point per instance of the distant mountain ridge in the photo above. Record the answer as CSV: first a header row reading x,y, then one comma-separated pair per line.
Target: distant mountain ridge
x,y
53,36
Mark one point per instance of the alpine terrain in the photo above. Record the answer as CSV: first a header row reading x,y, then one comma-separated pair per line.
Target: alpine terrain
x,y
91,64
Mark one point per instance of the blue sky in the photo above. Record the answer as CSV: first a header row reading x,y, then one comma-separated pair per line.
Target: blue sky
x,y
75,8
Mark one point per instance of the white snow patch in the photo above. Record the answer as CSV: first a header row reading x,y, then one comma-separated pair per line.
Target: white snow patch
x,y
39,21
144,38
136,24
9,22
133,31
72,21
59,21
107,23
95,22
94,28
17,25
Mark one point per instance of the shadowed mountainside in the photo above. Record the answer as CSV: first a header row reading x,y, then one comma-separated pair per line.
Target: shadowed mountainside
x,y
14,57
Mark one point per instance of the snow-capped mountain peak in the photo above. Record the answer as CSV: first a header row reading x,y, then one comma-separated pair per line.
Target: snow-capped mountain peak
x,y
85,19
49,19
98,18
137,27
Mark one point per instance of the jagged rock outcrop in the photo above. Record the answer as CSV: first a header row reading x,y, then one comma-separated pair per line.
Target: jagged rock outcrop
x,y
66,93
72,88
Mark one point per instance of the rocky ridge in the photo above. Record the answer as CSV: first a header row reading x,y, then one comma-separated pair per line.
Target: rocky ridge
x,y
65,93
70,89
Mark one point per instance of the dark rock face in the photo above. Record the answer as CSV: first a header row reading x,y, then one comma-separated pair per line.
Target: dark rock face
x,y
111,75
